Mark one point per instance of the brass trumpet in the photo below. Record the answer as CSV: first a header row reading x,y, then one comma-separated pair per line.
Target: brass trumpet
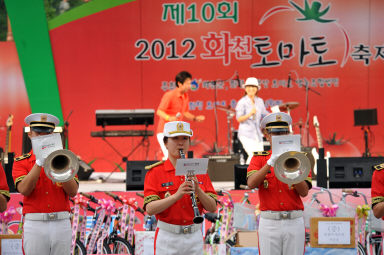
x,y
61,166
198,218
292,167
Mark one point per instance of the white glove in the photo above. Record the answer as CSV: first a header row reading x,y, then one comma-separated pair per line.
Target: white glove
x,y
272,160
40,162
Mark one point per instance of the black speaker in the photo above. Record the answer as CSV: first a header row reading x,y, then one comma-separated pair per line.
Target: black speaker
x,y
85,171
136,174
240,173
220,167
8,172
322,178
26,143
352,172
365,117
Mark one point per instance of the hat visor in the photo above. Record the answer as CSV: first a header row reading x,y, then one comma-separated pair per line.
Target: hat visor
x,y
179,134
42,129
277,130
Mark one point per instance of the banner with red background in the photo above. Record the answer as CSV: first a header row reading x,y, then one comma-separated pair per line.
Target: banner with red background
x,y
127,56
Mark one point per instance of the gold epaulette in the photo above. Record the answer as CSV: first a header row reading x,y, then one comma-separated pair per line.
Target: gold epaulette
x,y
261,153
379,167
153,165
23,157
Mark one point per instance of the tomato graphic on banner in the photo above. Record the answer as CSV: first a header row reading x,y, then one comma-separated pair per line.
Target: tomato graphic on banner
x,y
312,13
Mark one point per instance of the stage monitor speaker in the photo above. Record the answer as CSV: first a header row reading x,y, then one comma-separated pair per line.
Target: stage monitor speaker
x,y
26,143
352,172
85,171
365,117
322,178
240,172
220,167
136,174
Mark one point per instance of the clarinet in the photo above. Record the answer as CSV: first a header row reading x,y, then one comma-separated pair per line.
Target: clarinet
x,y
198,218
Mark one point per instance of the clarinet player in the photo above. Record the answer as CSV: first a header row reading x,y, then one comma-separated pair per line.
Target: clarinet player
x,y
169,197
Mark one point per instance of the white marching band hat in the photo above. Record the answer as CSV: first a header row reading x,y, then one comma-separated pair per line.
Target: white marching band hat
x,y
276,122
177,128
42,122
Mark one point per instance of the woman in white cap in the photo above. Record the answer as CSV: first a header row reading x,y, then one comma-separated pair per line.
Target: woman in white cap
x,y
169,197
250,109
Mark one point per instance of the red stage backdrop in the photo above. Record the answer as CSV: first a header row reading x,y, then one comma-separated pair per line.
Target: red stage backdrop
x,y
126,57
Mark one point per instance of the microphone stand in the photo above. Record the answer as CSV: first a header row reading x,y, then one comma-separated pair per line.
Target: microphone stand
x,y
307,89
65,130
216,148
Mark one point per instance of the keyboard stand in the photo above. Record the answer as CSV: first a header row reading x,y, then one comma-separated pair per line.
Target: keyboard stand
x,y
124,158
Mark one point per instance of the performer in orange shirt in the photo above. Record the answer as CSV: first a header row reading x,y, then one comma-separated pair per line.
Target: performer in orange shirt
x,y
281,227
47,227
168,197
174,105
377,191
4,190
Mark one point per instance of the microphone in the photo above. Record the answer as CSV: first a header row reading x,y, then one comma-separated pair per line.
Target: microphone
x,y
238,79
289,80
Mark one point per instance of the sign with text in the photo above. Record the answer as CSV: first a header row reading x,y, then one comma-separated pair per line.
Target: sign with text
x,y
284,143
333,232
191,165
11,245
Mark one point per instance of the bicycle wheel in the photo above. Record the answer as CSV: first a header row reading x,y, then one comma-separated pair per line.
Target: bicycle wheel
x,y
120,246
106,249
360,249
79,248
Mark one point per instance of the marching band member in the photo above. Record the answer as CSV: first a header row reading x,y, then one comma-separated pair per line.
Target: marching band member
x,y
4,190
377,191
174,105
281,227
168,197
250,109
47,227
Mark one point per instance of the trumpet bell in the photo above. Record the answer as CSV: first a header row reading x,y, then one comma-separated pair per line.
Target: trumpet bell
x,y
61,165
292,167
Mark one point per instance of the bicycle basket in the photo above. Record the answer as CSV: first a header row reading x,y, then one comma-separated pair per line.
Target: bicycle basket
x,y
244,217
311,210
345,210
375,223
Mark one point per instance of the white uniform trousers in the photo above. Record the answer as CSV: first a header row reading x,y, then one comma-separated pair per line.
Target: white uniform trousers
x,y
47,237
250,146
168,243
160,137
281,237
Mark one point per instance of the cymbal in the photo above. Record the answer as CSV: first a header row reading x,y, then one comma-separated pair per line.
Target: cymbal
x,y
227,109
288,106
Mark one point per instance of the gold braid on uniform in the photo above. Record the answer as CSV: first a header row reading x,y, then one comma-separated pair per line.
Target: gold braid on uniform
x,y
309,182
251,172
19,179
376,200
6,194
150,198
214,196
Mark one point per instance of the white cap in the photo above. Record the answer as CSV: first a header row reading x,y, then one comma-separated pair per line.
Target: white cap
x,y
251,81
177,128
42,122
276,122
